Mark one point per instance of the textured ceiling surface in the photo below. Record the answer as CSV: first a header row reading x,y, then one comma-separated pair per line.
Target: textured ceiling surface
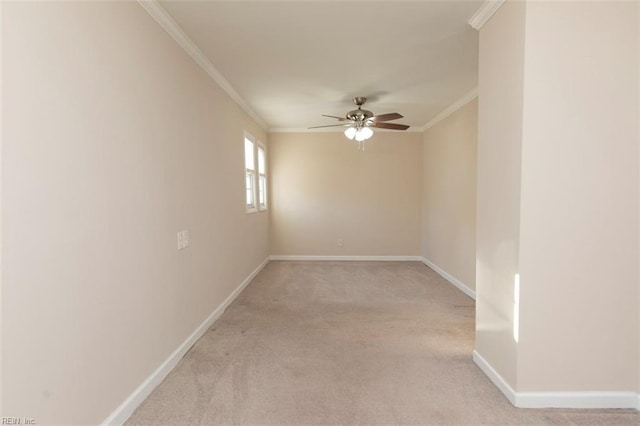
x,y
292,61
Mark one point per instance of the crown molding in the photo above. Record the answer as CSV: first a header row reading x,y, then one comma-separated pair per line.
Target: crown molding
x,y
485,12
451,109
171,26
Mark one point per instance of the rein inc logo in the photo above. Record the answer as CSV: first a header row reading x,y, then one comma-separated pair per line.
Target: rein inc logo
x,y
17,421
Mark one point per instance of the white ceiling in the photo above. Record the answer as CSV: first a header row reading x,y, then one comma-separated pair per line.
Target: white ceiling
x,y
292,61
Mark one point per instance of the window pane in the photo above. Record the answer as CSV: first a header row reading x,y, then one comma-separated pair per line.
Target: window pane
x,y
262,192
261,162
248,154
249,186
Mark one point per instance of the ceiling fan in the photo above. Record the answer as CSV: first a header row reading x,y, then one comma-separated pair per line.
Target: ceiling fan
x,y
360,121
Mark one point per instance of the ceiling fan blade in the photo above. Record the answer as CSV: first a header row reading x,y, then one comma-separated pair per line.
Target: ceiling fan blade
x,y
333,116
392,126
330,125
386,117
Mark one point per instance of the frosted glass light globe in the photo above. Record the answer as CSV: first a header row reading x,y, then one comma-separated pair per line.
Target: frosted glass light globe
x,y
366,132
350,132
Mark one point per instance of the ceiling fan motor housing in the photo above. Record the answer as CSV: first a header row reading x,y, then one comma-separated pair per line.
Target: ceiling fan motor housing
x,y
359,115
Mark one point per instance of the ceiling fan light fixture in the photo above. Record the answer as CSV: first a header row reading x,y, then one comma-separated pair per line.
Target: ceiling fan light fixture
x,y
363,133
366,132
360,121
350,132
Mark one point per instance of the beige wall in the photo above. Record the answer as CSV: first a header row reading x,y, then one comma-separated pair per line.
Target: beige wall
x,y
324,189
501,67
113,139
449,194
579,221
558,121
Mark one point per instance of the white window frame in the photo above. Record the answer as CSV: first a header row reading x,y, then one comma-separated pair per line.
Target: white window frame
x,y
250,175
254,177
262,177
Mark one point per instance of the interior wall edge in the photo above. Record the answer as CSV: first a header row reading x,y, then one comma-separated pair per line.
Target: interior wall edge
x,y
137,397
447,276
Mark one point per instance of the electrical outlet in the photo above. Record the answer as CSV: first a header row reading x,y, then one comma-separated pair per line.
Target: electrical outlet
x,y
340,242
180,241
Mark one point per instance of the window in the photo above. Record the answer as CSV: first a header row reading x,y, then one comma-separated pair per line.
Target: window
x,y
255,165
250,173
262,178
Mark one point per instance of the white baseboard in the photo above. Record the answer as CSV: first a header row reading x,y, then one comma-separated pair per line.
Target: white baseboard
x,y
347,258
495,378
576,399
122,413
604,399
453,280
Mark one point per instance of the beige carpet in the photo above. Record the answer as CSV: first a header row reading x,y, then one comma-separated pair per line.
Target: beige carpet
x,y
343,343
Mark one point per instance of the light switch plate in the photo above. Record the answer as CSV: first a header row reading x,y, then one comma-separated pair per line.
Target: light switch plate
x,y
183,239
